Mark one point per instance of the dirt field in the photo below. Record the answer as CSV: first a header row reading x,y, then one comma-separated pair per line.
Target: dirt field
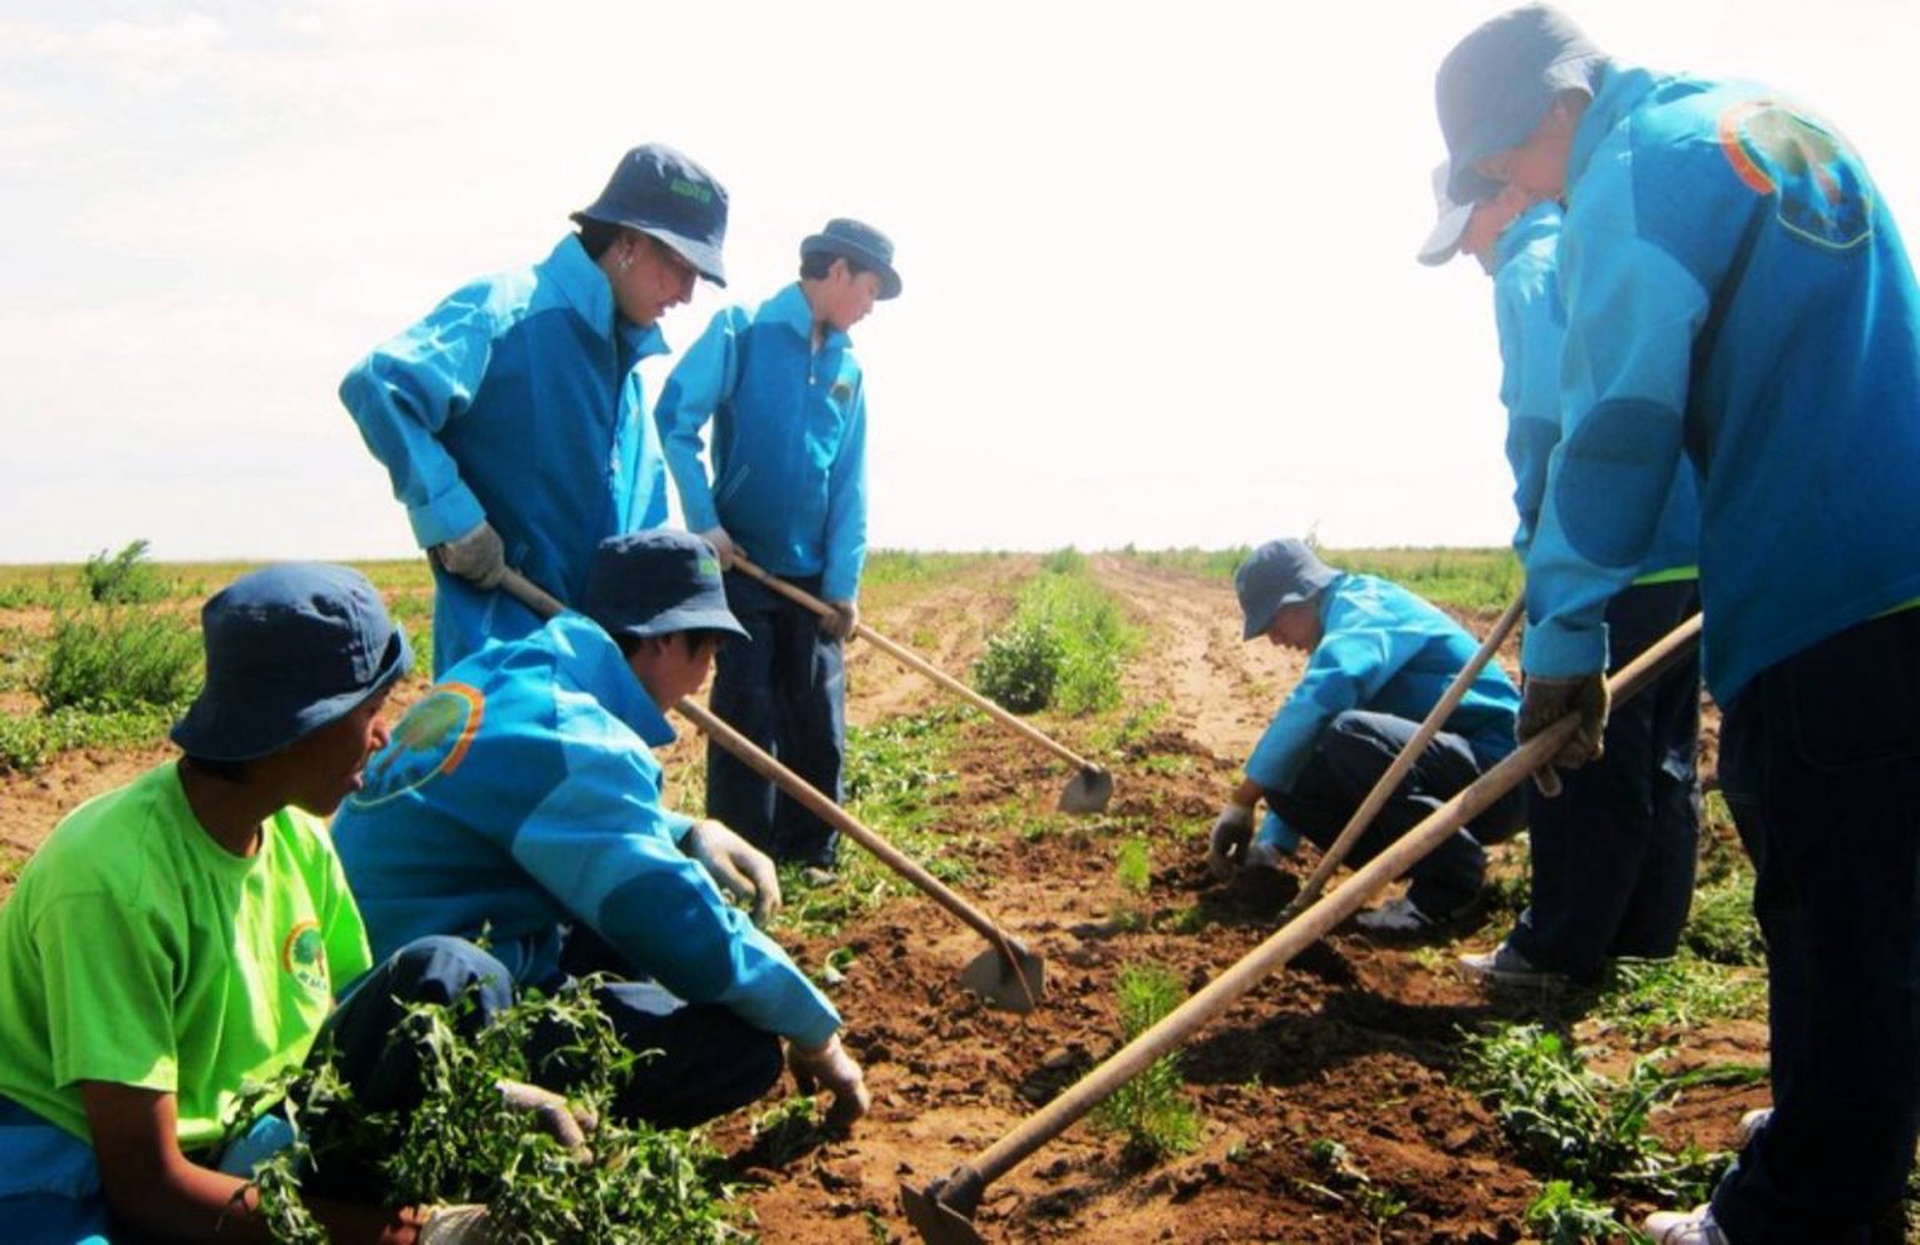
x,y
1353,1043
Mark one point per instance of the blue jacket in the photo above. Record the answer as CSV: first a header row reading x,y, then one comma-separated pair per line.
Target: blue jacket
x,y
1383,650
521,795
1736,291
517,401
1532,324
789,441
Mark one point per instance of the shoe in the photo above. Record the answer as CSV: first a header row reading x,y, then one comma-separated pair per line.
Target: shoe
x,y
1261,855
1751,1123
1503,966
815,875
1397,916
1694,1227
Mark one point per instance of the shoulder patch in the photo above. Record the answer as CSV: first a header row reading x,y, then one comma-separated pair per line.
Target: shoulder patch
x,y
432,739
1811,172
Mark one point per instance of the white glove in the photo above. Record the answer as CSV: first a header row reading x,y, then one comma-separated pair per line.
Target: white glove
x,y
832,1069
736,866
723,545
845,616
478,556
454,1225
1227,844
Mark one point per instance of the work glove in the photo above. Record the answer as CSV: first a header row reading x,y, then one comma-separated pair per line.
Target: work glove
x,y
454,1225
1227,844
840,620
832,1069
736,866
723,546
1544,701
478,556
551,1113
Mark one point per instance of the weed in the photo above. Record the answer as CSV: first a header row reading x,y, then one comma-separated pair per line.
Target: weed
x,y
1564,1215
1721,928
126,578
1021,665
1379,1203
1063,648
1068,561
1157,1121
115,661
29,741
786,1131
1133,866
1660,995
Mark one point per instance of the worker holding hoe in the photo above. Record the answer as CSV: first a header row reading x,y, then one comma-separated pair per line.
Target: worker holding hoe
x,y
510,417
1613,854
1738,298
1379,659
788,406
520,800
179,940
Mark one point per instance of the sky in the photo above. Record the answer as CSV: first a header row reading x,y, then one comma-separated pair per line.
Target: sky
x,y
1158,258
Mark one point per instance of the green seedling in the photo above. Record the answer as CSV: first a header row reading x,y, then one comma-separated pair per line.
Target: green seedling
x,y
1149,1109
1563,1215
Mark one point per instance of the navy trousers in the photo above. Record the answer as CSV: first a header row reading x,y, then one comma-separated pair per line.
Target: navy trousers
x,y
1349,757
1614,853
786,692
1820,762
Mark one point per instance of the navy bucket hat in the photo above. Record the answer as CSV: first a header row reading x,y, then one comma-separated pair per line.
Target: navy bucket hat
x,y
665,195
854,240
290,649
1278,573
656,583
1498,83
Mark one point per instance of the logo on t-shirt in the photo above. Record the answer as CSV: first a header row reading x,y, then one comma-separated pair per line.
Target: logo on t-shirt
x,y
1806,165
304,955
430,740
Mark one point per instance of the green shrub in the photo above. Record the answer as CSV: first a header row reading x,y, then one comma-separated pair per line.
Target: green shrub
x,y
1063,648
125,578
118,661
1157,1121
1021,666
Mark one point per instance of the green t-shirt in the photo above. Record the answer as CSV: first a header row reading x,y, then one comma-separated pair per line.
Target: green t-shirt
x,y
136,950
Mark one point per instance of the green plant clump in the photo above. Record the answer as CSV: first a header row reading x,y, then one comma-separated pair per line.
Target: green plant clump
x,y
1564,1215
118,661
29,741
1021,665
466,1144
1063,648
125,578
1157,1121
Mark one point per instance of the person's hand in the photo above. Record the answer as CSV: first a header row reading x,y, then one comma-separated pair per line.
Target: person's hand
x,y
1543,702
723,546
477,556
454,1225
832,1069
737,866
549,1112
1227,844
842,618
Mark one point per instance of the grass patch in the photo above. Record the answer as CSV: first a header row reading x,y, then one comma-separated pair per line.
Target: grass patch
x,y
1651,996
29,741
1149,1110
1063,648
113,660
1472,580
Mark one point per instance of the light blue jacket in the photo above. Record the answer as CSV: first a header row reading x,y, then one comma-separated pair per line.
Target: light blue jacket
x,y
517,400
521,795
789,441
1532,325
1736,293
1383,649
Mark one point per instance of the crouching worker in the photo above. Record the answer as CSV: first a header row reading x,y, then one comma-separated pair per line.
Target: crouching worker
x,y
185,935
520,800
1379,659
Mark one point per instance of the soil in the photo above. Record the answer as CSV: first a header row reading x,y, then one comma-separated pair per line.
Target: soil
x,y
1354,1042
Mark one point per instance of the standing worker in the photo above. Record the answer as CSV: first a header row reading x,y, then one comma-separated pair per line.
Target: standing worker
x,y
789,491
1379,659
510,418
1737,294
1614,854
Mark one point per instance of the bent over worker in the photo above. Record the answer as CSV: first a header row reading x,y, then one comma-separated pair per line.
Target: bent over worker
x,y
521,799
510,418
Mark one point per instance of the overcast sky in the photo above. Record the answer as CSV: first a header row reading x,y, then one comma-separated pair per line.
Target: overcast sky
x,y
1158,258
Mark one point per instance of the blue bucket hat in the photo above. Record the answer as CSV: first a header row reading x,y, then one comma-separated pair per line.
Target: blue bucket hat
x,y
665,195
656,583
854,240
1498,83
290,649
1278,573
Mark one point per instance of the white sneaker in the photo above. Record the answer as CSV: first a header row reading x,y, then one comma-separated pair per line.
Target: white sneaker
x,y
1694,1227
1504,966
1751,1123
1396,916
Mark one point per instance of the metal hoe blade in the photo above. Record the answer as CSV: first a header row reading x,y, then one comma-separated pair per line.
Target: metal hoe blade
x,y
1015,984
934,1219
1088,792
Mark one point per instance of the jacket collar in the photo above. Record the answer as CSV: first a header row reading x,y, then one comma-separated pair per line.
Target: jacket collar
x,y
587,291
790,308
1539,222
594,660
1620,92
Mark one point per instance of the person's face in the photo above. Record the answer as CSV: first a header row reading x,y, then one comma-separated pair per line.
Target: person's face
x,y
847,296
1538,166
648,277
1489,220
673,666
1296,626
326,765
